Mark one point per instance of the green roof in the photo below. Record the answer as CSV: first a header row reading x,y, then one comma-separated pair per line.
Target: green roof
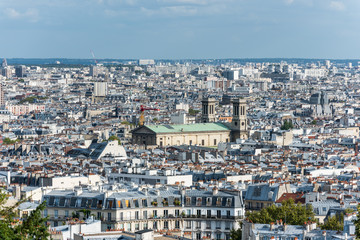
x,y
197,127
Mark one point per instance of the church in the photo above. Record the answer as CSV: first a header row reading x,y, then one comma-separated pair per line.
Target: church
x,y
207,133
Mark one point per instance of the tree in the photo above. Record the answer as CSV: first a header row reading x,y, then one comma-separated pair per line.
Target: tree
x,y
7,141
114,138
289,212
193,112
334,223
86,213
357,223
33,227
287,125
236,234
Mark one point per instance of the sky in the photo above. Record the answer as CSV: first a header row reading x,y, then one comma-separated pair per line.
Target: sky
x,y
180,29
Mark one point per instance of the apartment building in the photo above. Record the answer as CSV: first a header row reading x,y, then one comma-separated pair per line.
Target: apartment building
x,y
192,213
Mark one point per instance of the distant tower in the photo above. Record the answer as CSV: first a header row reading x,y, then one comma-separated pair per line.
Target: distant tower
x,y
239,121
2,101
208,110
20,71
4,63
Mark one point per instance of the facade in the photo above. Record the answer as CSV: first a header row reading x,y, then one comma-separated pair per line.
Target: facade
x,y
151,177
20,71
202,134
208,133
259,196
25,109
320,106
190,213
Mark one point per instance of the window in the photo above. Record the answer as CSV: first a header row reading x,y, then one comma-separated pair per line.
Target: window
x,y
198,224
218,213
66,213
188,201
218,236
218,201
137,226
324,209
214,142
227,225
190,142
121,216
218,225
177,224
198,201
137,215
145,226
155,213
166,213
155,225
208,213
56,213
109,216
177,212
145,214
99,215
198,236
188,224
228,214
208,225
198,213
228,202
208,201
128,226
166,225
203,142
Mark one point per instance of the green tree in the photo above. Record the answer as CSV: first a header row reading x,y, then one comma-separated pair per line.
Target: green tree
x,y
334,223
193,112
313,122
357,223
7,141
86,213
113,138
287,125
236,234
33,227
289,212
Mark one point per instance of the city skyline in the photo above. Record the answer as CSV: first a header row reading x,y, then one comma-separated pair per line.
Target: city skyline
x,y
180,29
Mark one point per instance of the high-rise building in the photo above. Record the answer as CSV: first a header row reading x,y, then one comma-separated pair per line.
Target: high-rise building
x,y
2,100
100,89
94,71
20,71
4,63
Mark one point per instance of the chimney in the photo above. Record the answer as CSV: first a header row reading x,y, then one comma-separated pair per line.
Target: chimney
x,y
215,190
271,226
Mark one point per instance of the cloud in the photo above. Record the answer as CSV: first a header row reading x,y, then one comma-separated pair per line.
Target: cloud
x,y
337,5
31,14
288,2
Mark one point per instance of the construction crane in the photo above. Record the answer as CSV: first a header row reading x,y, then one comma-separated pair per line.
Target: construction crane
x,y
93,55
142,115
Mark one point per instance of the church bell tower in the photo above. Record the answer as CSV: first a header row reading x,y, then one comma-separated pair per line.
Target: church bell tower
x,y
208,110
239,121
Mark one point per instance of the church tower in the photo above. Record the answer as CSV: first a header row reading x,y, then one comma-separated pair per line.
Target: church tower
x,y
208,110
239,120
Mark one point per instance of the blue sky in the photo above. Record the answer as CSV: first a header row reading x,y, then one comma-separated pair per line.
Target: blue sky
x,y
180,28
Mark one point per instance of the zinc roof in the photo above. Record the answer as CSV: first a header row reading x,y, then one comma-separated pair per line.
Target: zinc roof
x,y
197,127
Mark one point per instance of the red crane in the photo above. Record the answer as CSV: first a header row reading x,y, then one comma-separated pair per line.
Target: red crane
x,y
142,110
